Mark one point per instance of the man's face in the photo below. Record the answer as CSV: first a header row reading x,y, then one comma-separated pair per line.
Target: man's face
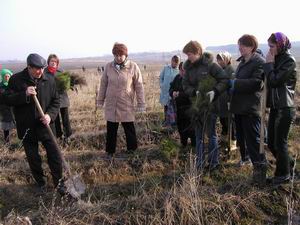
x,y
35,72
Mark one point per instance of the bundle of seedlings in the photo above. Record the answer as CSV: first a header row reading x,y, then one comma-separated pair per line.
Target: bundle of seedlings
x,y
67,80
200,103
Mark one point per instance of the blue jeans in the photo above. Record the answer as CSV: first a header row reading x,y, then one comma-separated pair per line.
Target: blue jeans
x,y
213,152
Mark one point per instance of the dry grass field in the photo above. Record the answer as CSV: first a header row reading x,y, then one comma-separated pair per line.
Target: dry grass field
x,y
157,185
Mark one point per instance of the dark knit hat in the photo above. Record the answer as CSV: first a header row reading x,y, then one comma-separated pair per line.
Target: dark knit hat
x,y
119,49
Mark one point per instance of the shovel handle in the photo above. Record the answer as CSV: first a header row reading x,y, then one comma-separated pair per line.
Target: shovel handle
x,y
229,128
53,138
262,118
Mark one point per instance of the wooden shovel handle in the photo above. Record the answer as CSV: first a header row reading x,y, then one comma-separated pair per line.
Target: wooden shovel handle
x,y
53,138
263,117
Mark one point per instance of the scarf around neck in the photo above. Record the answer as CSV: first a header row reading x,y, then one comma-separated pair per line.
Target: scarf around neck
x,y
52,69
120,66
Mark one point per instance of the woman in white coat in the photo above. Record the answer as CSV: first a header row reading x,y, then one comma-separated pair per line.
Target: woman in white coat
x,y
121,83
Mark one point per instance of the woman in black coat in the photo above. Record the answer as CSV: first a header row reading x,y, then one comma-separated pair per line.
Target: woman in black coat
x,y
63,116
246,91
280,69
183,103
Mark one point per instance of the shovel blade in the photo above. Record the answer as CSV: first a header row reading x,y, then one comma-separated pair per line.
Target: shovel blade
x,y
75,186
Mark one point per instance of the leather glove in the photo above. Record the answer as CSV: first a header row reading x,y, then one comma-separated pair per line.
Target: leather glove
x,y
211,95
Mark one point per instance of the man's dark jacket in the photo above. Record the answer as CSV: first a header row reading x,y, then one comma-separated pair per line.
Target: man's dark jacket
x,y
26,113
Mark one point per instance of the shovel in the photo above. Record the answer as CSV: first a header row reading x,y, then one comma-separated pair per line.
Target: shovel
x,y
74,184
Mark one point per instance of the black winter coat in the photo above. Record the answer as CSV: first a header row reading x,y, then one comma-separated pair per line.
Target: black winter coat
x,y
248,86
183,102
25,111
5,111
225,98
199,71
281,78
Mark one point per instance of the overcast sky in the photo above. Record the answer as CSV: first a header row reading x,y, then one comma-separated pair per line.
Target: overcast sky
x,y
82,28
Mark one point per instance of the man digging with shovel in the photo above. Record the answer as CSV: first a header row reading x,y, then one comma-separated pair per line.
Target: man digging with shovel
x,y
31,127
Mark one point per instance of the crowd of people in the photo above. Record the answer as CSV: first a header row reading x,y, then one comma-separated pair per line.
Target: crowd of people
x,y
210,86
235,96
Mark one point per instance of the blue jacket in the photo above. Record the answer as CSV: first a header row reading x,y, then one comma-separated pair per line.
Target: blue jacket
x,y
167,75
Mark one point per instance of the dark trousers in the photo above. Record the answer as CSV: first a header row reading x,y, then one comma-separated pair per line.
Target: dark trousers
x,y
165,113
248,138
111,136
35,161
185,129
64,114
6,135
279,124
224,123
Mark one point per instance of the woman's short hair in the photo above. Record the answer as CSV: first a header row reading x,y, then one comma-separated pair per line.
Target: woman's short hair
x,y
249,41
119,49
193,47
52,56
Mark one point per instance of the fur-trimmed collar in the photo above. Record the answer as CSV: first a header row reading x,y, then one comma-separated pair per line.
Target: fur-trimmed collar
x,y
206,59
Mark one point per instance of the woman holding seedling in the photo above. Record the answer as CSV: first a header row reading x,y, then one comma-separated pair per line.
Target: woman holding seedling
x,y
63,116
203,82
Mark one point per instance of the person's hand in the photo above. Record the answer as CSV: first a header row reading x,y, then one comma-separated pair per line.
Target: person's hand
x,y
141,109
231,86
99,105
46,119
270,57
175,94
31,91
211,95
